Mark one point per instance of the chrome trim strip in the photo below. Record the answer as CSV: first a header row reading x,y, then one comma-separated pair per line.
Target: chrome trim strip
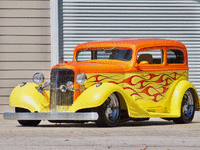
x,y
88,116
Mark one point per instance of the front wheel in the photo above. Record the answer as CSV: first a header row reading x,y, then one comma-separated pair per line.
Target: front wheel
x,y
187,108
109,112
26,122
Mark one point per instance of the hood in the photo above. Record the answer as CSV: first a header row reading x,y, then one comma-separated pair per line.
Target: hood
x,y
112,66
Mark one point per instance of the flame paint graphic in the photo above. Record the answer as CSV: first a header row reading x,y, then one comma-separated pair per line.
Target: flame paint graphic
x,y
154,86
100,78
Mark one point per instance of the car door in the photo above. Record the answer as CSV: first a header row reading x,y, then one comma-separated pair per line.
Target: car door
x,y
152,78
147,84
151,85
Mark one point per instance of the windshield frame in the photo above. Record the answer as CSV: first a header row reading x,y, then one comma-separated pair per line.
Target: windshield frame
x,y
120,54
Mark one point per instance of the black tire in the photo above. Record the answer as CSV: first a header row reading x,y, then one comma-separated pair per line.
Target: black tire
x,y
187,108
26,122
109,112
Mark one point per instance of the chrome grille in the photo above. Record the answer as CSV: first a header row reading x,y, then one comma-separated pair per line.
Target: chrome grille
x,y
59,99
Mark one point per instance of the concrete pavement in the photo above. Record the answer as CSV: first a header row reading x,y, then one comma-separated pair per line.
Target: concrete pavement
x,y
156,134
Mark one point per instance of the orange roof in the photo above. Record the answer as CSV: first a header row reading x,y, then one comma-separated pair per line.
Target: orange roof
x,y
130,43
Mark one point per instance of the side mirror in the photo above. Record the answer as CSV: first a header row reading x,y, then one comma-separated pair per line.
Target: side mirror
x,y
144,63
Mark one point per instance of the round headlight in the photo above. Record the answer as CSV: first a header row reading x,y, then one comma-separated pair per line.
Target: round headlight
x,y
70,85
63,88
38,78
81,78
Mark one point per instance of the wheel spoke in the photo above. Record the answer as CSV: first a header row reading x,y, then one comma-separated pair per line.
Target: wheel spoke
x,y
109,112
189,111
188,105
112,109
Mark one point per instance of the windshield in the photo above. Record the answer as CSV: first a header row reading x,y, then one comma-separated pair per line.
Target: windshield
x,y
98,54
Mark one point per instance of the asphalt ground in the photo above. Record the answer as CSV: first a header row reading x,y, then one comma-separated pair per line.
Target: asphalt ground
x,y
155,134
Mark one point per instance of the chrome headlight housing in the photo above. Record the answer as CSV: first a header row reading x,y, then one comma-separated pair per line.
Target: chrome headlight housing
x,y
47,86
38,78
81,78
70,85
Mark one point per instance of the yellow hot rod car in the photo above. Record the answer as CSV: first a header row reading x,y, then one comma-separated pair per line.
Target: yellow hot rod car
x,y
111,81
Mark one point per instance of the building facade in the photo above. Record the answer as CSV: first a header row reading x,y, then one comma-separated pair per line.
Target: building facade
x,y
25,44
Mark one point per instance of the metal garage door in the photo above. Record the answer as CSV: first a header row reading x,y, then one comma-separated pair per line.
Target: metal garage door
x,y
88,20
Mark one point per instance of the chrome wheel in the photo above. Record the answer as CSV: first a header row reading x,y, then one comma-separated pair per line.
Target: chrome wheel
x,y
187,108
112,108
109,112
188,105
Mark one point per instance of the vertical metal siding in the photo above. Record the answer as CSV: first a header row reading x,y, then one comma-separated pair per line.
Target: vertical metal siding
x,y
87,20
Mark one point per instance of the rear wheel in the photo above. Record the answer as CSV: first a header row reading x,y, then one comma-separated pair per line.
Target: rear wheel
x,y
109,112
26,122
187,108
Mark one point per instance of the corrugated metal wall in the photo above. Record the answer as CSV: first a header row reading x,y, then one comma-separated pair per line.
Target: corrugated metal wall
x,y
25,45
88,20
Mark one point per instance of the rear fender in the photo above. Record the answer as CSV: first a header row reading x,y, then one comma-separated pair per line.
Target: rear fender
x,y
178,94
28,97
96,96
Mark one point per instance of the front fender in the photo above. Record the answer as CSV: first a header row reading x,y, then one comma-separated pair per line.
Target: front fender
x,y
96,96
178,94
29,98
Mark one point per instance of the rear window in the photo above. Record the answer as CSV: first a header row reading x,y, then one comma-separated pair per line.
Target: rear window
x,y
175,56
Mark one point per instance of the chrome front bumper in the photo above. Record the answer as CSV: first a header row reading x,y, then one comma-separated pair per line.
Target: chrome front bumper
x,y
89,116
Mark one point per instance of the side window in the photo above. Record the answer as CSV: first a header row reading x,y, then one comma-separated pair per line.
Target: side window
x,y
83,55
154,56
175,56
103,54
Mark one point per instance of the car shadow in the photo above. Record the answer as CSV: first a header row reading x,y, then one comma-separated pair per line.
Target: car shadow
x,y
93,125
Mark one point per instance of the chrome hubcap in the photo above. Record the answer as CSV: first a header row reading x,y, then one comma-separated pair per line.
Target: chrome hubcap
x,y
188,104
112,108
